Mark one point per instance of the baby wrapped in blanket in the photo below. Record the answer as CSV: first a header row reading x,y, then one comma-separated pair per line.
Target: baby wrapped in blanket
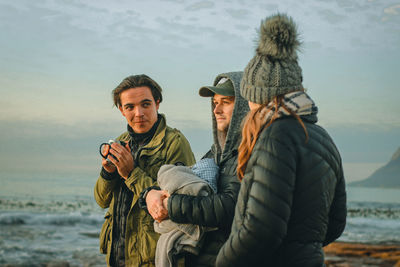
x,y
198,180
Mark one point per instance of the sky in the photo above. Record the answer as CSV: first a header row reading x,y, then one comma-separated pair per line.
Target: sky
x,y
59,61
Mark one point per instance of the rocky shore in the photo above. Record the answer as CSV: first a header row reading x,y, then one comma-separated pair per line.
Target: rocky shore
x,y
337,254
342,254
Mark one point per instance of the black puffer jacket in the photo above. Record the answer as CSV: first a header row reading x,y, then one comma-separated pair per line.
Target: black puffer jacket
x,y
215,210
292,199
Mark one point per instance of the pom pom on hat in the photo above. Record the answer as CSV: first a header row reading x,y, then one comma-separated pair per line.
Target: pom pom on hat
x,y
278,37
274,70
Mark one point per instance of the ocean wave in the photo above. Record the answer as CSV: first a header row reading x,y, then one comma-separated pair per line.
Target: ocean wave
x,y
16,218
372,230
386,213
373,210
10,219
386,225
27,254
82,205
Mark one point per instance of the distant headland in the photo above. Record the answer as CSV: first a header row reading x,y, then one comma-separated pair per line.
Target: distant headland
x,y
387,176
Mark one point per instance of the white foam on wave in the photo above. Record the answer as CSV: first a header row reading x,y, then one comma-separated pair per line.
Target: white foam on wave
x,y
393,224
60,219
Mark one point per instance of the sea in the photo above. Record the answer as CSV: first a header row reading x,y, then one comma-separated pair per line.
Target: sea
x,y
53,220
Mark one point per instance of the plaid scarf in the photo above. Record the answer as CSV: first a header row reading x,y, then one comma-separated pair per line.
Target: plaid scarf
x,y
298,102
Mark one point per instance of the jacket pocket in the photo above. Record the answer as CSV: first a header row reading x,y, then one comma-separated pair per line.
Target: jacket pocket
x,y
148,243
105,233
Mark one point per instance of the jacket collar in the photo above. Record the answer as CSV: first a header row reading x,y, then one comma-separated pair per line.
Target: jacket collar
x,y
158,138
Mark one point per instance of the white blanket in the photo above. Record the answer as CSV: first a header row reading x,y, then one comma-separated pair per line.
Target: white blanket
x,y
177,238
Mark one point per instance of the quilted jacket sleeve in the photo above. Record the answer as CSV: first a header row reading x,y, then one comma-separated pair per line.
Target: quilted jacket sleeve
x,y
337,214
264,204
214,210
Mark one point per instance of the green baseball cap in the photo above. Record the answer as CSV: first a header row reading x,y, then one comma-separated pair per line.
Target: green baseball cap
x,y
223,87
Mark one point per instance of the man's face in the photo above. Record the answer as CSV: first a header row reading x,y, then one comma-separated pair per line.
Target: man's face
x,y
223,109
139,108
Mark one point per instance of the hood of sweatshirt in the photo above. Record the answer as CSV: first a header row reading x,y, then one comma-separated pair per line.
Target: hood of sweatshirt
x,y
240,110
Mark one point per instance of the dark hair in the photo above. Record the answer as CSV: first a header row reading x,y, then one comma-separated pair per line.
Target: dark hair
x,y
137,81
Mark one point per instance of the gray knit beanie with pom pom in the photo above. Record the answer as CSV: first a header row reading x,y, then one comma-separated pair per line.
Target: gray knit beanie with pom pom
x,y
273,70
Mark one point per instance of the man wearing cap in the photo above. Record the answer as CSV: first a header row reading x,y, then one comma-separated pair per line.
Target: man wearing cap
x,y
127,235
228,110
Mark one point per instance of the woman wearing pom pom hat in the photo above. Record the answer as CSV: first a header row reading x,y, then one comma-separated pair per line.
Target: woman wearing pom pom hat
x,y
292,199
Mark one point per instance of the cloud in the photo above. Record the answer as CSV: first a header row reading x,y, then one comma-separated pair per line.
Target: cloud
x,y
243,27
332,17
51,18
353,6
19,5
124,22
200,36
312,45
351,25
78,42
238,13
392,10
179,33
344,3
200,5
270,7
175,1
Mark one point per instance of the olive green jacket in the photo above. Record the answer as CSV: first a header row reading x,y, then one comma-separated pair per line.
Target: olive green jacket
x,y
168,146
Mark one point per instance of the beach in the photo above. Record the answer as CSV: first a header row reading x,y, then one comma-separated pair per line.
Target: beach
x,y
345,254
337,254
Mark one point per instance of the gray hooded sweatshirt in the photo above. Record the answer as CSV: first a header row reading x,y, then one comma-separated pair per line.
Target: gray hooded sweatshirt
x,y
215,210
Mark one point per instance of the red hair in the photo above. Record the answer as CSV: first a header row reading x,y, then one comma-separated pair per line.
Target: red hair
x,y
253,125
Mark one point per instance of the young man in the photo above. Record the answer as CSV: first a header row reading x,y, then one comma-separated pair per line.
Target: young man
x,y
127,236
216,210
